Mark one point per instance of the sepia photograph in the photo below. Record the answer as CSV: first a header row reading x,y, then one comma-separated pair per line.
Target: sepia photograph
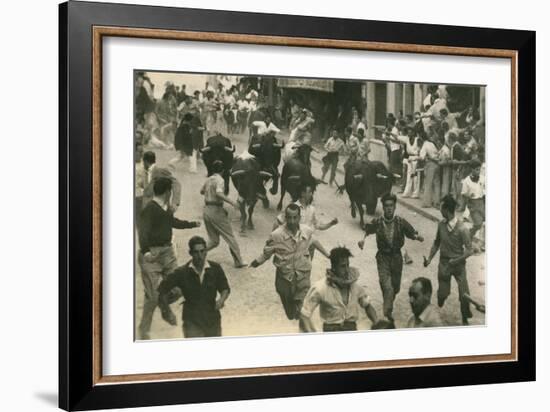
x,y
280,205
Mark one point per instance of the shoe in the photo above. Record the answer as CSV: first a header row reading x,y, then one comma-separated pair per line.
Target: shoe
x,y
169,316
144,336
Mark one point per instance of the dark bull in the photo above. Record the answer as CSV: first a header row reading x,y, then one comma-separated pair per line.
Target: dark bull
x,y
220,148
365,182
248,179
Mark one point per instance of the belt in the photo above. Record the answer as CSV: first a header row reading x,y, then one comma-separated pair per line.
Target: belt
x,y
220,204
389,251
445,258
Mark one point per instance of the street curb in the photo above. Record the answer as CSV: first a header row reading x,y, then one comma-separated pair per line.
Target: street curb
x,y
419,210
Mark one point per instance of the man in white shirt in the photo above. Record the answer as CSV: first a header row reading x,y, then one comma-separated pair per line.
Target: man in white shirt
x,y
473,193
265,126
432,181
412,144
424,314
333,146
340,298
308,212
396,138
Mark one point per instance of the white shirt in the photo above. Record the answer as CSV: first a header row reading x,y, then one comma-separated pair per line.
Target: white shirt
x,y
429,318
149,173
361,125
471,189
243,105
229,100
200,272
429,151
427,100
308,216
333,309
334,144
450,119
412,149
452,223
264,129
395,135
252,93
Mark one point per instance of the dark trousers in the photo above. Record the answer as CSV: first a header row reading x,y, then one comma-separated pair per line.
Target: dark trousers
x,y
292,293
193,329
444,275
330,160
390,268
339,327
139,206
396,162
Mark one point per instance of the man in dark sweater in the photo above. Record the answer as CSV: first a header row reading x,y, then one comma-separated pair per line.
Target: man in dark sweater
x,y
453,242
390,233
205,289
156,257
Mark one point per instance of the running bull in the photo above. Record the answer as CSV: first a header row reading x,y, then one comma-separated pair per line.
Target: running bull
x,y
248,178
267,150
219,147
365,182
296,170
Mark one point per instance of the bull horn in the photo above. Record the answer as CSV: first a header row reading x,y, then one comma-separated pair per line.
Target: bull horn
x,y
205,149
381,176
237,172
266,174
277,145
357,176
234,148
255,146
228,149
294,178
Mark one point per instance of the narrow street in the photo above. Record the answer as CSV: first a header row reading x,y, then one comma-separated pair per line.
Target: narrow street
x,y
253,308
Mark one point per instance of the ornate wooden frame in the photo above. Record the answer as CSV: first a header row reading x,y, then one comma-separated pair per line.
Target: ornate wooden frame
x,y
82,28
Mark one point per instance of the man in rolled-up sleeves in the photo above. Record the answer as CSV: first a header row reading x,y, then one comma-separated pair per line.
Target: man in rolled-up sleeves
x,y
340,298
452,240
289,245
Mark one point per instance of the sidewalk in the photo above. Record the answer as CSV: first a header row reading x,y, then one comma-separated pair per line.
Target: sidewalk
x,y
415,205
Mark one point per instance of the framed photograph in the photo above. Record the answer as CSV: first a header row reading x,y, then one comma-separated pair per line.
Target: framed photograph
x,y
256,206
